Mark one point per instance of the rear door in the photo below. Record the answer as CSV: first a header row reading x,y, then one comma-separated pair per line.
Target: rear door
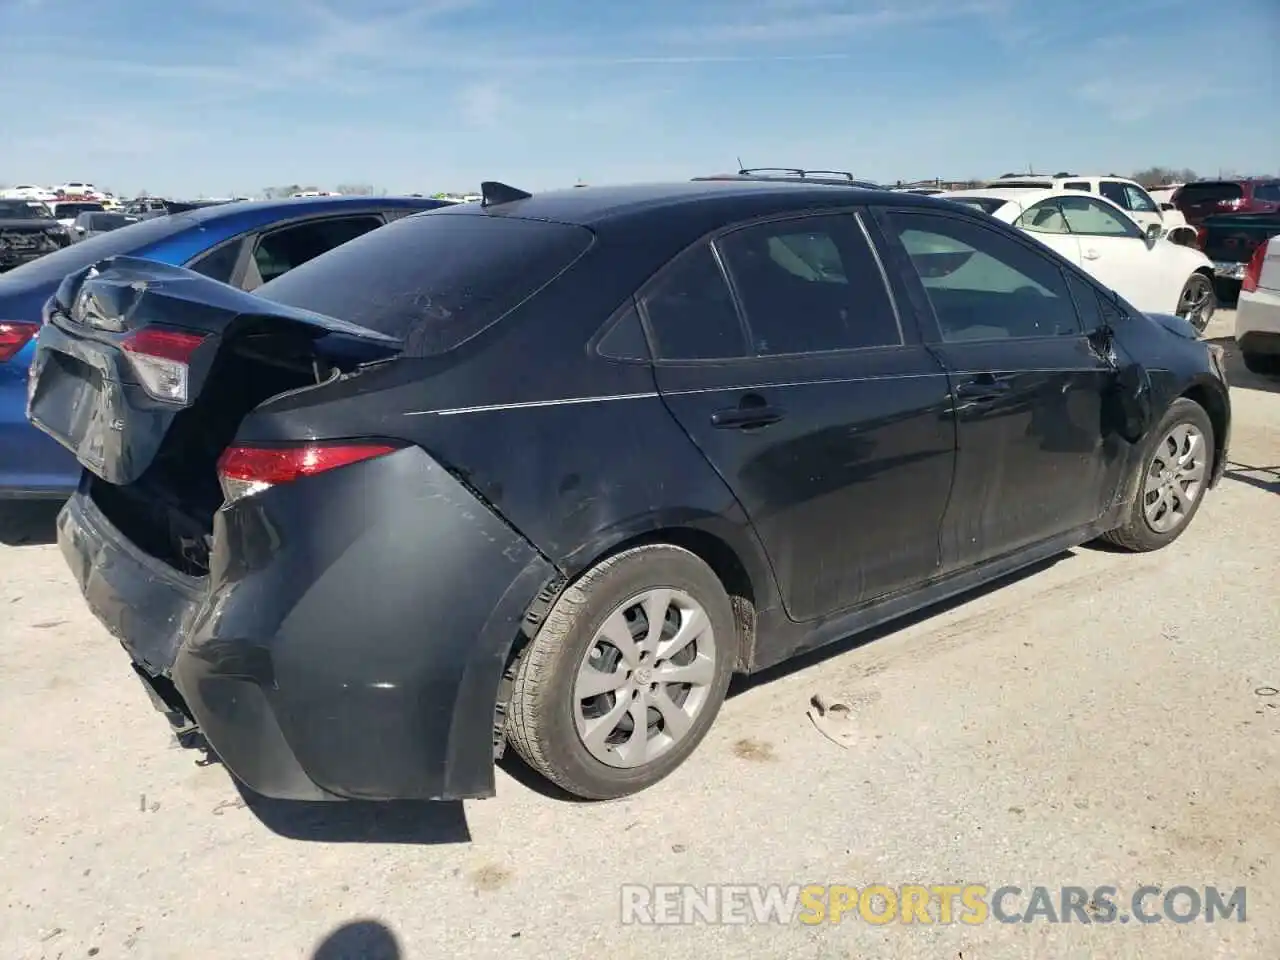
x,y
780,350
1028,383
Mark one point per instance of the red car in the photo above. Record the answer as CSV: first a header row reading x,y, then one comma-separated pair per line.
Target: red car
x,y
1208,198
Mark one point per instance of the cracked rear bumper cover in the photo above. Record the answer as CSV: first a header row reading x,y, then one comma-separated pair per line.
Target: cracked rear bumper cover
x,y
358,656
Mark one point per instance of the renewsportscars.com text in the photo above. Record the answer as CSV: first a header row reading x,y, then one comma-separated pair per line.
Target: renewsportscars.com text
x,y
880,904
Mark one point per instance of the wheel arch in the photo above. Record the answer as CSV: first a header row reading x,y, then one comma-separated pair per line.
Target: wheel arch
x,y
1211,398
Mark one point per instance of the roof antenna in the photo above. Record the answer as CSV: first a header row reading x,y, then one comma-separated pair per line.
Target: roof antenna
x,y
493,193
741,168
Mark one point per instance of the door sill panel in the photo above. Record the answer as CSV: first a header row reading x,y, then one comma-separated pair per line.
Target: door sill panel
x,y
780,639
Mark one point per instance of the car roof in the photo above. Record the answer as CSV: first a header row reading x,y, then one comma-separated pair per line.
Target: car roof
x,y
298,206
712,202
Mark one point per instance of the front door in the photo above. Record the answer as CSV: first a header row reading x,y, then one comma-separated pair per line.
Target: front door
x,y
1028,385
780,352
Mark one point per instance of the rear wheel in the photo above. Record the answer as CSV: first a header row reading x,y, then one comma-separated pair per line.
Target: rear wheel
x,y
1267,364
626,675
1175,474
1198,301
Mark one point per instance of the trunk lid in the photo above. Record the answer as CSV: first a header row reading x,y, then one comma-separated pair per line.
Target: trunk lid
x,y
130,345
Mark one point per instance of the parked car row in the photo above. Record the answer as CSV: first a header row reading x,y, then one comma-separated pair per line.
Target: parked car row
x,y
546,470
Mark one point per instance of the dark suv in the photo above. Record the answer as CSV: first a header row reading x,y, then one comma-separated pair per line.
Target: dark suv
x,y
1208,198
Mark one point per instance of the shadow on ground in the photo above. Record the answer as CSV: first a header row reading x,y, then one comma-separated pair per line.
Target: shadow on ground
x,y
28,523
1264,478
1240,376
359,940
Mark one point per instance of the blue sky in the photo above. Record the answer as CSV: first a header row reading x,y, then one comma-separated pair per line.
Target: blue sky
x,y
228,96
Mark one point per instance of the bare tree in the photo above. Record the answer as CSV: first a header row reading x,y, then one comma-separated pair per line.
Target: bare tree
x,y
357,189
1162,176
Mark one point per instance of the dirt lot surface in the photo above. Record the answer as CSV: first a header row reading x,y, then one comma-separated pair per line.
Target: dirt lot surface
x,y
1103,720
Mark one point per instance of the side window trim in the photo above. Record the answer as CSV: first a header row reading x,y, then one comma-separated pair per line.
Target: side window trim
x,y
916,289
245,243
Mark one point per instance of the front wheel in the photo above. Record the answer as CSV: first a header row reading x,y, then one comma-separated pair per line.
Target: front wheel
x,y
1175,474
626,674
1197,302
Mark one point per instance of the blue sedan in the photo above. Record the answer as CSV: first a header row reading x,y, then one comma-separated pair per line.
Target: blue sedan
x,y
244,244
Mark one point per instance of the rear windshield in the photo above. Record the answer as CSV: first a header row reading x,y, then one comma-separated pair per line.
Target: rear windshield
x,y
1209,192
433,280
985,204
1269,192
123,242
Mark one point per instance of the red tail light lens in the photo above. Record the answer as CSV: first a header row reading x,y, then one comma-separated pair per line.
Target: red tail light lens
x,y
244,471
14,335
1202,234
162,360
1253,272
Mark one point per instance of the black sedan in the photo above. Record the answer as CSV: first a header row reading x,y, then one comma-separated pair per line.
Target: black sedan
x,y
546,470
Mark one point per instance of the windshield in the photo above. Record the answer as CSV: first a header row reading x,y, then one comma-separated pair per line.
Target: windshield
x,y
67,210
23,210
124,242
433,280
985,204
108,221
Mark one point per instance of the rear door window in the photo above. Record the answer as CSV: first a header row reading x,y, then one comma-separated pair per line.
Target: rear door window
x,y
220,262
434,280
282,250
690,312
810,285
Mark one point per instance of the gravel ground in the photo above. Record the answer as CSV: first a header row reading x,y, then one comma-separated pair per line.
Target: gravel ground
x,y
1104,719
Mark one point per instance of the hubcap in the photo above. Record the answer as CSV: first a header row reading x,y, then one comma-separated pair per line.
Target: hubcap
x,y
1175,478
1197,297
645,677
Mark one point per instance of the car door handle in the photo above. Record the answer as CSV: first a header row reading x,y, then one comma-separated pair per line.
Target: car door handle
x,y
752,413
982,388
1091,255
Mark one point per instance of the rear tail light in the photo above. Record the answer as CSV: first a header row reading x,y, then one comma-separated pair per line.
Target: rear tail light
x,y
244,471
1202,234
14,335
1237,203
162,360
1253,272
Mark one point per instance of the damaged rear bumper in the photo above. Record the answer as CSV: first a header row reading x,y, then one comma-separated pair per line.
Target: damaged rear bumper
x,y
350,639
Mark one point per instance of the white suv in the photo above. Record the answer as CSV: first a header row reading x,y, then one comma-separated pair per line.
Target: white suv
x,y
1129,195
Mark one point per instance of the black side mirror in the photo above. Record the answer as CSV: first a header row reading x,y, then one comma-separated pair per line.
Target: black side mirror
x,y
1154,233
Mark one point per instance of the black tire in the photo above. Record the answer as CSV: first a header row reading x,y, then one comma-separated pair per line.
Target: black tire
x,y
1204,287
1263,364
1136,534
540,721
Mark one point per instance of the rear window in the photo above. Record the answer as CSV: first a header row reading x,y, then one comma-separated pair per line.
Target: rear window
x,y
1209,192
433,280
985,204
66,210
1269,192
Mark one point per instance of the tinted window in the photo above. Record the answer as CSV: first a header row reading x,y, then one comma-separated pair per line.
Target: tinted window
x,y
282,250
1114,192
1269,192
128,241
810,285
984,285
66,211
1077,185
1194,193
434,279
691,312
219,263
1088,216
1087,303
1044,217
